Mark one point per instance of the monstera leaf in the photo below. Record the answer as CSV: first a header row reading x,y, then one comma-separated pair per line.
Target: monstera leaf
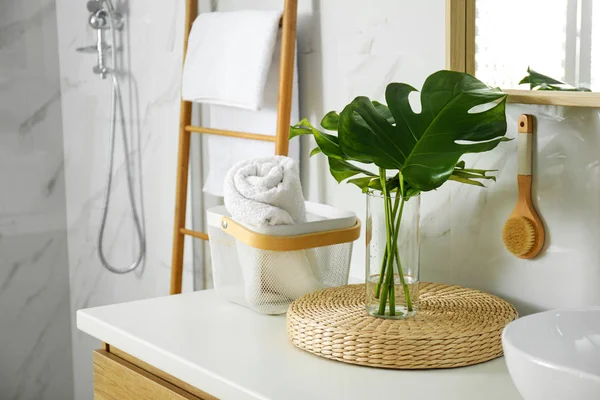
x,y
425,146
539,81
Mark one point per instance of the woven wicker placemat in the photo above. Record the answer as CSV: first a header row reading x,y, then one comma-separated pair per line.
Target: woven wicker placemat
x,y
454,327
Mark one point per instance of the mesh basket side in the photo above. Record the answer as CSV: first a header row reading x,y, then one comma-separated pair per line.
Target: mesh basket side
x,y
273,279
333,264
268,281
227,274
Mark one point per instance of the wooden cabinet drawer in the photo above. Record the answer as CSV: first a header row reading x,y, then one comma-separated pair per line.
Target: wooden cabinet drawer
x,y
117,379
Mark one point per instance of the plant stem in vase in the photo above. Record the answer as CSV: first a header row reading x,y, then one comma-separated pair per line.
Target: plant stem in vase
x,y
392,272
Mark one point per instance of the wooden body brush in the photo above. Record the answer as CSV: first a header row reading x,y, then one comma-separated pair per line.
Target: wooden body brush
x,y
523,233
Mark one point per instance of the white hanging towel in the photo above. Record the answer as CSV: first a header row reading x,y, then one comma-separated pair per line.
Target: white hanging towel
x,y
222,152
228,58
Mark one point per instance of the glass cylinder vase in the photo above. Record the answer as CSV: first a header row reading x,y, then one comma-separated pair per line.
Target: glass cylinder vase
x,y
392,262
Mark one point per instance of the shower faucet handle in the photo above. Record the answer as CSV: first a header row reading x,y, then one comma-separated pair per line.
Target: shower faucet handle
x,y
100,68
93,49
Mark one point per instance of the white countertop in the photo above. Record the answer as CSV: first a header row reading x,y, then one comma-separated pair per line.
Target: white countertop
x,y
232,352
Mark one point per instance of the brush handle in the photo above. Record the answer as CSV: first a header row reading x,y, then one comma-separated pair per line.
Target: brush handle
x,y
525,144
524,206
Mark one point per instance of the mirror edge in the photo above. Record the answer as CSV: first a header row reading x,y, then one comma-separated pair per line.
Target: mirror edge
x,y
460,56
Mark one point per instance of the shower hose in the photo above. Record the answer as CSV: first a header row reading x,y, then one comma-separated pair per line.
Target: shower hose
x,y
116,104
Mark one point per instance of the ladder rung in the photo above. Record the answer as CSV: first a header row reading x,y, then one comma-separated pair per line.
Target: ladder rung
x,y
196,234
221,132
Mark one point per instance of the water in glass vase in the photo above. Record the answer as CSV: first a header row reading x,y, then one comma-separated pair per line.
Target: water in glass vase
x,y
401,310
392,252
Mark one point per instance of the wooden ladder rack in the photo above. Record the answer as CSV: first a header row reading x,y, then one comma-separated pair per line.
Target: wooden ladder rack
x,y
284,107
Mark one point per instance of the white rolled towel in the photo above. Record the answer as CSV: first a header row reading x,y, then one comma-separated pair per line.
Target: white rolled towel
x,y
263,192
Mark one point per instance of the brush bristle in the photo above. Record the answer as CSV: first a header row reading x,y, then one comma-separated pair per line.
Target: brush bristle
x,y
519,235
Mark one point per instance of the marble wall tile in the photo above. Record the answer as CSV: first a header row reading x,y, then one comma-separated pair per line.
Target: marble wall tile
x,y
34,307
149,77
35,335
567,195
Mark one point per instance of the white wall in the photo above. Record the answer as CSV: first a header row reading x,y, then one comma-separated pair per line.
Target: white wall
x,y
152,54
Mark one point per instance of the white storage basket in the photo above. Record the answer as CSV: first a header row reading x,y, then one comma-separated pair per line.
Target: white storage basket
x,y
266,268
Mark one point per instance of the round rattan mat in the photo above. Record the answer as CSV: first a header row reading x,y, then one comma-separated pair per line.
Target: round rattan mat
x,y
454,327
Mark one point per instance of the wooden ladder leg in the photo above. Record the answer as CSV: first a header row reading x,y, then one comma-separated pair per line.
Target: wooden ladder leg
x,y
183,165
286,76
180,209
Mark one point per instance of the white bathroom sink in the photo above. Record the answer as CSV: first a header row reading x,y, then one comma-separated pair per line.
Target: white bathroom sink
x,y
555,354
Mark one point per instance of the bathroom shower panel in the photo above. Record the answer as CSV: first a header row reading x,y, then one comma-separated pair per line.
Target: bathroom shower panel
x,y
105,19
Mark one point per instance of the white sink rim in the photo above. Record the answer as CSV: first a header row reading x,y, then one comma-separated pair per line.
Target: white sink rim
x,y
507,342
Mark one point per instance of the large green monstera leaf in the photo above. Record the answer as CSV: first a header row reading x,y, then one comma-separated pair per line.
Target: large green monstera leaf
x,y
425,147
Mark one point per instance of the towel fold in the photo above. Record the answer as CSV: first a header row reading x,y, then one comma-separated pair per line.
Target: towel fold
x,y
265,191
228,57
